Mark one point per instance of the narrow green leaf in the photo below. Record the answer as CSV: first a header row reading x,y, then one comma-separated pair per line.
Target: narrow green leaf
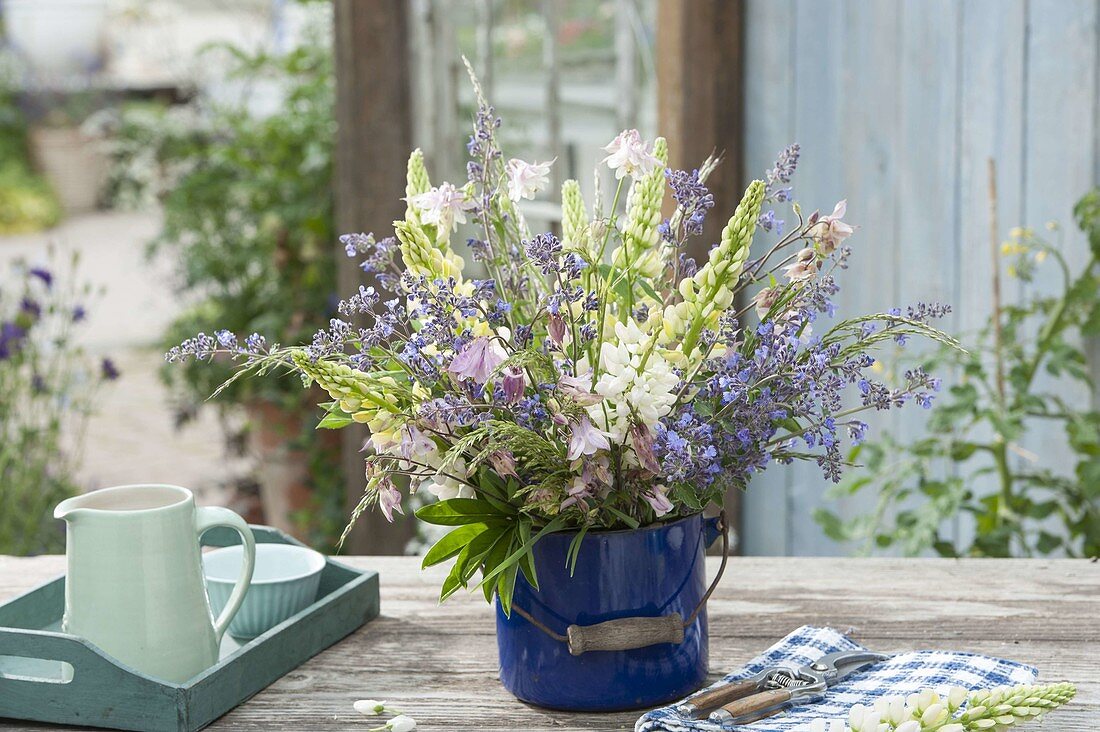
x,y
575,550
477,551
527,560
452,544
458,511
506,585
629,521
496,555
513,556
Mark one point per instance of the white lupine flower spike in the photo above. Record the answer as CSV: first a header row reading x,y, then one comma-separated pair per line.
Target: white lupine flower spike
x,y
926,711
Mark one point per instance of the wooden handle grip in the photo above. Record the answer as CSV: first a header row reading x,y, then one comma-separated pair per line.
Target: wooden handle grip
x,y
758,702
724,694
625,634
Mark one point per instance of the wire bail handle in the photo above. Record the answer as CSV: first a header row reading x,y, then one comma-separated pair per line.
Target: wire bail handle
x,y
626,634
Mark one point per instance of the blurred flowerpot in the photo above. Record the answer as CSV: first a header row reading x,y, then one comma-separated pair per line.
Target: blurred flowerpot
x,y
57,36
286,492
73,163
283,470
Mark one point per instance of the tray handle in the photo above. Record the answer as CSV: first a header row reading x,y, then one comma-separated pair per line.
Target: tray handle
x,y
50,647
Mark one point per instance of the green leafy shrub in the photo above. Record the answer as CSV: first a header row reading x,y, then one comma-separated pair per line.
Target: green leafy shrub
x,y
248,216
971,459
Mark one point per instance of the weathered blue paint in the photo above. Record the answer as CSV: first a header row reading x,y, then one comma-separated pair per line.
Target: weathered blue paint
x,y
898,106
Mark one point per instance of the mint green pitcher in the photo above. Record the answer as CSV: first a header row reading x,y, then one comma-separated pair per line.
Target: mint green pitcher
x,y
135,585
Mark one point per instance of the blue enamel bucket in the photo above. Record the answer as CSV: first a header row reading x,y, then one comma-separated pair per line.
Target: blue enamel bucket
x,y
652,572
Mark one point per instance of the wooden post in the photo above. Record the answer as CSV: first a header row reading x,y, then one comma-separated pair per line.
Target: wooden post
x,y
700,95
700,102
373,140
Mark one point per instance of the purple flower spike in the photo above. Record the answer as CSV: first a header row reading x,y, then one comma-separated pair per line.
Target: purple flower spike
x,y
43,274
109,370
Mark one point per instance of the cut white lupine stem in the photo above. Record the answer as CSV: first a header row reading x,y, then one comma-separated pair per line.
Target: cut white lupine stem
x,y
574,220
926,711
416,183
421,257
707,295
638,252
369,707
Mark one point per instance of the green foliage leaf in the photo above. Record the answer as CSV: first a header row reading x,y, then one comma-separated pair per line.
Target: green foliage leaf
x,y
459,511
451,544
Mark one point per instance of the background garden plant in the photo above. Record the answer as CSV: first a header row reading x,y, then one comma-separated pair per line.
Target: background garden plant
x,y
971,459
47,391
248,215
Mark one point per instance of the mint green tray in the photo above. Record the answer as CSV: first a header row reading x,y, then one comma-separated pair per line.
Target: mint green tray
x,y
102,692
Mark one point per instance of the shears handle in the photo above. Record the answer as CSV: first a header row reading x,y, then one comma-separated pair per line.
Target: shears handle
x,y
752,708
712,698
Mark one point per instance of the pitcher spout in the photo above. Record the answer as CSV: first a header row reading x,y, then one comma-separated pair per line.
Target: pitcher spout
x,y
70,508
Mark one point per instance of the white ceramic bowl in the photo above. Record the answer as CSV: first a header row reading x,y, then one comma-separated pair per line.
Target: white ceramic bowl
x,y
284,582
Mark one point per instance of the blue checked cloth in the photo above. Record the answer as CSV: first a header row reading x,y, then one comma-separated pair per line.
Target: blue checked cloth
x,y
901,675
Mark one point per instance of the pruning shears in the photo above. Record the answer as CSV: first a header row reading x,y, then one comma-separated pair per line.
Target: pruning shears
x,y
776,688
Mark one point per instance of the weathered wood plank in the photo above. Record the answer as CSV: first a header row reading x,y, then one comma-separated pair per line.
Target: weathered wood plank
x,y
438,663
769,127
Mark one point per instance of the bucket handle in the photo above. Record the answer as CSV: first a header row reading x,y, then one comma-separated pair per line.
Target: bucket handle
x,y
627,634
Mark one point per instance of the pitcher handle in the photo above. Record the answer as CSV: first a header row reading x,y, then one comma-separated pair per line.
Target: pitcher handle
x,y
208,517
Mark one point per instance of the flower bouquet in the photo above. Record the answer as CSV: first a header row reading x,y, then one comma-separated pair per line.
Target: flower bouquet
x,y
590,393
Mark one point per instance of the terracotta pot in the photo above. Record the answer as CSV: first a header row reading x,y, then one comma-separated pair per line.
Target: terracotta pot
x,y
283,469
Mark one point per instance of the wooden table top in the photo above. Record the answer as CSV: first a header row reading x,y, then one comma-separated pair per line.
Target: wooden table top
x,y
439,663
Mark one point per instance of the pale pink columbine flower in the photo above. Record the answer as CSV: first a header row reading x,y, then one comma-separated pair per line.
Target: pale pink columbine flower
x,y
830,231
504,463
629,155
579,390
416,445
764,300
526,179
513,383
389,499
477,360
445,206
642,439
657,500
579,489
804,267
586,439
556,329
